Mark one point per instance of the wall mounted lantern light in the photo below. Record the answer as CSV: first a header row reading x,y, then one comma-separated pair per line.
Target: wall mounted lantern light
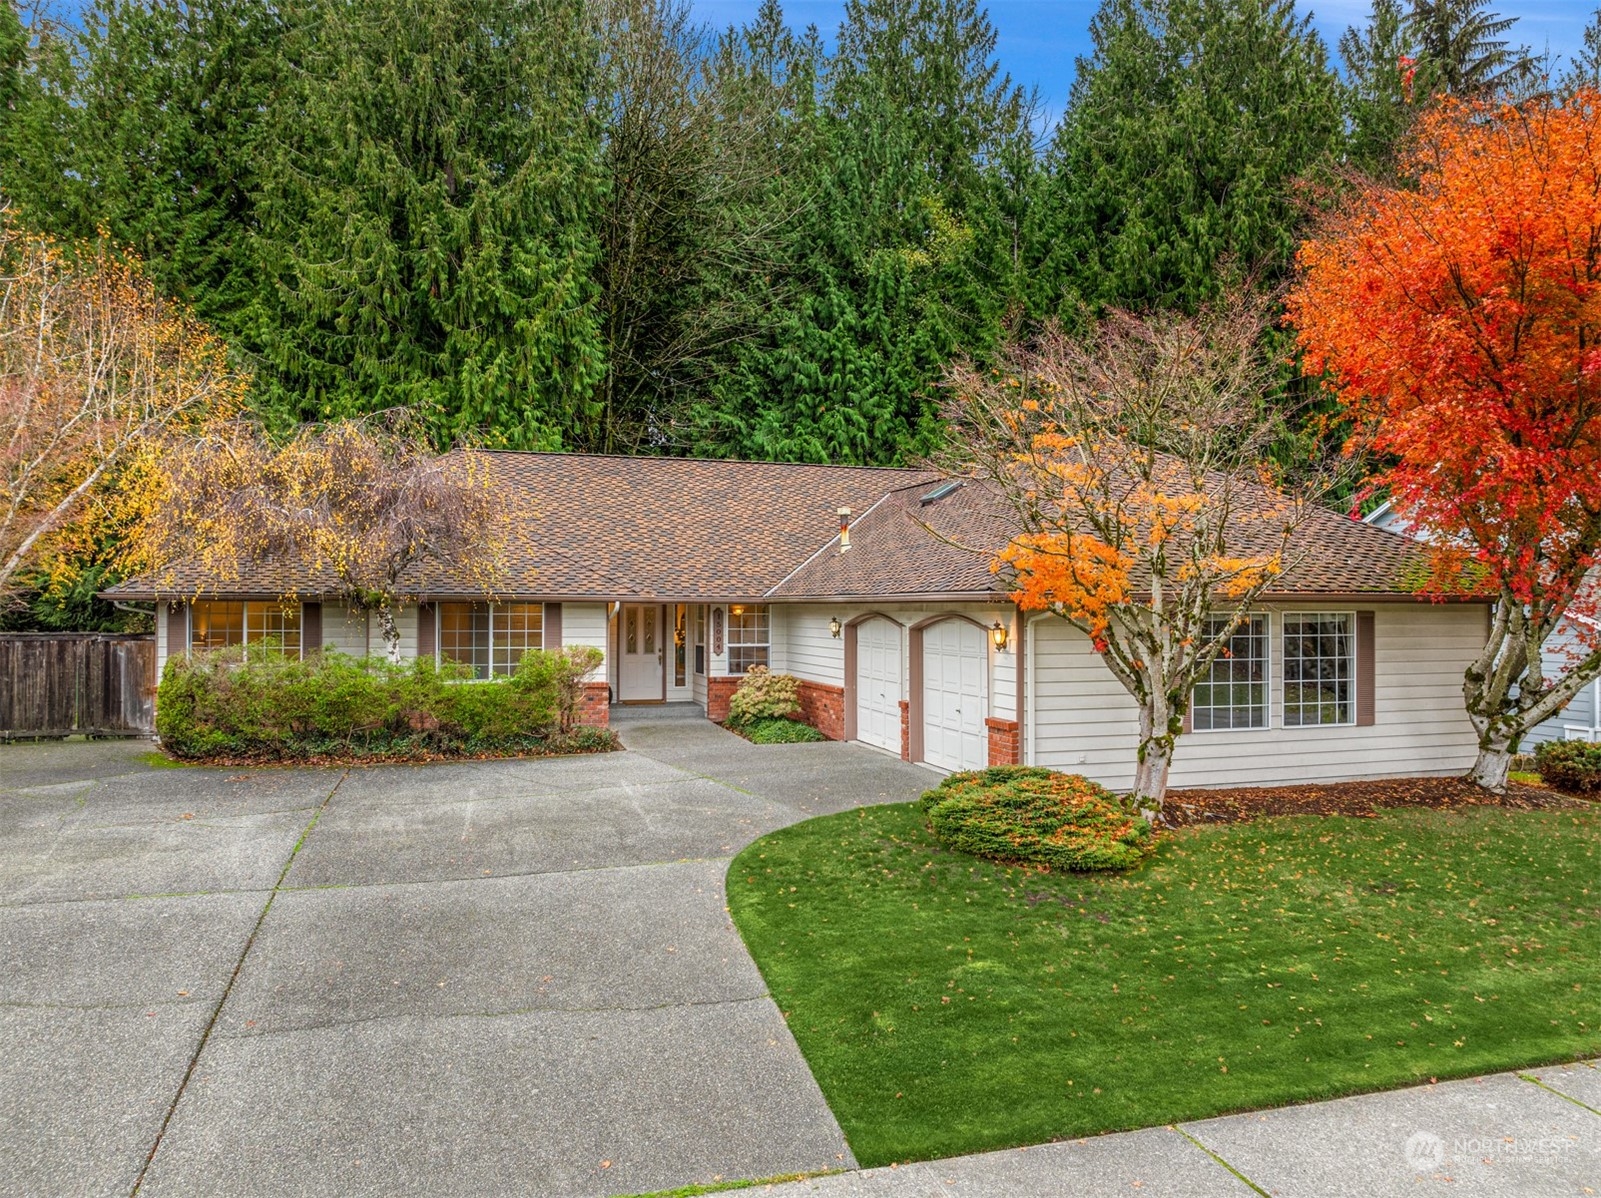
x,y
998,635
833,627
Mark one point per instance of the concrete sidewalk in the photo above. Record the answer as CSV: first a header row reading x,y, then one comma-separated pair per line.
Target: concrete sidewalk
x,y
1511,1135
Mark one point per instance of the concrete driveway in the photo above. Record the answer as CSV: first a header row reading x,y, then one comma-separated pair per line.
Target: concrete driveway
x,y
487,978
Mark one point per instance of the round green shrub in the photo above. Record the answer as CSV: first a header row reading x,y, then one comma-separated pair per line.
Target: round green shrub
x,y
1573,765
1023,813
779,730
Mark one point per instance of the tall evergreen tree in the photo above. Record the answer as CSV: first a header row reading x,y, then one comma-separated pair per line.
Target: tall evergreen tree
x,y
40,168
1462,50
899,259
172,96
1185,135
1380,62
427,217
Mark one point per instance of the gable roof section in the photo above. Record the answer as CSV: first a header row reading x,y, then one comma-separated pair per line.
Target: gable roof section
x,y
904,547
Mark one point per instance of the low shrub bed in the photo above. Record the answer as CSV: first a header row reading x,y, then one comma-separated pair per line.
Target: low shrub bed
x,y
778,730
219,706
763,709
1573,765
1020,813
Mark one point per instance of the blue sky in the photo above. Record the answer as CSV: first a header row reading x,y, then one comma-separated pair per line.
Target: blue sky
x,y
1039,39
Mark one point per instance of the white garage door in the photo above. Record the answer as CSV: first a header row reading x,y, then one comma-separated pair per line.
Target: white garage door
x,y
954,668
878,684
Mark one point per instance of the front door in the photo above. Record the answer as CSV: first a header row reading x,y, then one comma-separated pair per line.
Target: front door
x,y
641,634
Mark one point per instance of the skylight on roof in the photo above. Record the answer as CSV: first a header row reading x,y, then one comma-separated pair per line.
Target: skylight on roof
x,y
938,493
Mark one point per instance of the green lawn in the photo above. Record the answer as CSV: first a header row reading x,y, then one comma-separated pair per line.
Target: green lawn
x,y
947,1005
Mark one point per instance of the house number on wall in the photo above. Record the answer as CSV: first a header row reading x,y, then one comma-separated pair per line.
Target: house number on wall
x,y
717,632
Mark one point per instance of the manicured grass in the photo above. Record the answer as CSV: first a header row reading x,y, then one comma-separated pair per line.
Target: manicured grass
x,y
947,1005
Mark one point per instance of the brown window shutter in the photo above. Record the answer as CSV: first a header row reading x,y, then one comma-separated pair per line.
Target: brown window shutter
x,y
553,626
1365,714
310,628
177,629
426,631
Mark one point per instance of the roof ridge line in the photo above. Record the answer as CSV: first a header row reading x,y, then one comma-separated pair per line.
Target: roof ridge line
x,y
658,457
768,593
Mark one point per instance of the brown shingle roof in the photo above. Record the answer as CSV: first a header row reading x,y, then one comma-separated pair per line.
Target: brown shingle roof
x,y
906,547
625,527
690,529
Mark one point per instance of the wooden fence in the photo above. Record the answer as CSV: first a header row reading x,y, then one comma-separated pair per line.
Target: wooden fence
x,y
66,683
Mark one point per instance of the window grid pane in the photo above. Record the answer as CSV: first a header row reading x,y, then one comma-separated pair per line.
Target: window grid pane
x,y
1319,663
464,635
270,621
516,628
1234,692
214,624
748,637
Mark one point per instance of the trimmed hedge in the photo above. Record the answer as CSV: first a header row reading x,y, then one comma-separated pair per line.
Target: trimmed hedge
x,y
271,707
1570,765
1023,813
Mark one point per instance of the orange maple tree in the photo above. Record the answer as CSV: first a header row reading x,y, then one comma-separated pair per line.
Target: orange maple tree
x,y
1130,461
1459,321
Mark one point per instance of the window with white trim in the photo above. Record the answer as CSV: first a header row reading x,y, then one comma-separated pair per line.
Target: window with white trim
x,y
749,636
490,638
216,624
700,638
1234,692
1319,669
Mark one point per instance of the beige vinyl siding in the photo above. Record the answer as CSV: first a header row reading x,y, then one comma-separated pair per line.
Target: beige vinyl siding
x,y
1083,721
161,639
346,631
585,624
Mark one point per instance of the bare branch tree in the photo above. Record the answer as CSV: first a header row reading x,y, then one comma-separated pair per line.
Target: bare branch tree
x,y
1136,462
92,363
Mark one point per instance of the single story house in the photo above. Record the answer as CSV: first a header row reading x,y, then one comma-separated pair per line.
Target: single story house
x,y
1581,718
874,588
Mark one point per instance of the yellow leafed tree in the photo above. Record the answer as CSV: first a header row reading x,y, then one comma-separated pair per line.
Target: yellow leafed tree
x,y
94,365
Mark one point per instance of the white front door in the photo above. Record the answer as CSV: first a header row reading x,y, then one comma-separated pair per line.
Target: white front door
x,y
641,633
955,665
878,683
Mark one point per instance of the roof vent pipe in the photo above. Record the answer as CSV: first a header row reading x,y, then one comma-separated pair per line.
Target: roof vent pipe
x,y
844,529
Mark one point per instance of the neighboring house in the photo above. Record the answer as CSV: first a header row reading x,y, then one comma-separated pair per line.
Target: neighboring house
x,y
686,573
1580,719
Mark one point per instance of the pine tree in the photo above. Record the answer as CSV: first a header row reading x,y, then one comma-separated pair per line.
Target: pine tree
x,y
1380,70
902,255
1178,158
39,125
427,214
1461,50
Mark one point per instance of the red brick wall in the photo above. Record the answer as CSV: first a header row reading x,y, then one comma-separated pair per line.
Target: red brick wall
x,y
1004,744
823,707
594,707
906,730
718,692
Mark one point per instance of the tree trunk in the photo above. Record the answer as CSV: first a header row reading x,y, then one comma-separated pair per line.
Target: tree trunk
x,y
1493,764
391,632
1150,778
